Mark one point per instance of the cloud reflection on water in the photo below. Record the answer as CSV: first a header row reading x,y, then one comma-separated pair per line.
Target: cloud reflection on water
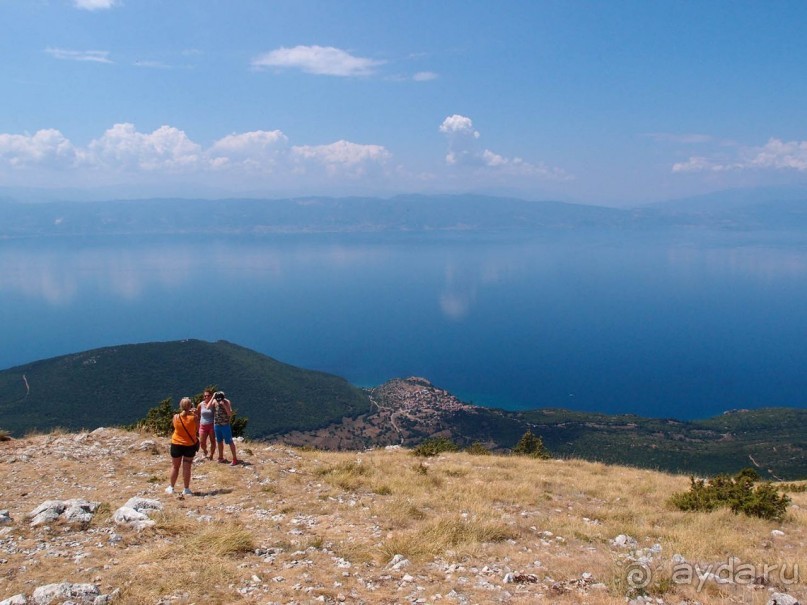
x,y
61,273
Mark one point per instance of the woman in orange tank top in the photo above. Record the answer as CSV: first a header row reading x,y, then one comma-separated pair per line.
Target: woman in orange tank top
x,y
184,444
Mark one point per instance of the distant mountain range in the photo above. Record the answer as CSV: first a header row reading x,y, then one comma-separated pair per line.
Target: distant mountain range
x,y
771,209
116,386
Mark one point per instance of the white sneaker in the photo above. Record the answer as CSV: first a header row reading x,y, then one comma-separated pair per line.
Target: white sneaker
x,y
169,489
187,492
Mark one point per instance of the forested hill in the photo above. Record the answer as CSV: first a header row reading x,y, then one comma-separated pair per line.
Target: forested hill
x,y
117,385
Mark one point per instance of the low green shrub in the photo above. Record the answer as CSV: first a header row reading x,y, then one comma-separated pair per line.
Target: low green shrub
x,y
531,445
434,446
740,493
477,449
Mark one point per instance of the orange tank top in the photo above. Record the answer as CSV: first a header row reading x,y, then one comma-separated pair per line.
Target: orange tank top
x,y
185,430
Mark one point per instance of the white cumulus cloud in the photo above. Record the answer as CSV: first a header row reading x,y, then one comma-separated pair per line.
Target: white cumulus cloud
x,y
493,159
95,56
343,157
464,151
167,148
774,155
319,60
47,147
258,158
786,155
256,150
459,124
463,148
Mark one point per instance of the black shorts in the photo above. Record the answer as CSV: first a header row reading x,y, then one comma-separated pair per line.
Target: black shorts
x,y
186,451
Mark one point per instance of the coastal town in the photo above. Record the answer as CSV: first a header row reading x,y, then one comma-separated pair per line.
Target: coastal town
x,y
405,410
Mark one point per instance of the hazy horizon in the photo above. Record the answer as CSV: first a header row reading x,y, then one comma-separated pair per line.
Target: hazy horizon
x,y
617,103
759,194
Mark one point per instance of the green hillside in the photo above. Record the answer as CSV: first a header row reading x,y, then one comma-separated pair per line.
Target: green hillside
x,y
773,440
117,385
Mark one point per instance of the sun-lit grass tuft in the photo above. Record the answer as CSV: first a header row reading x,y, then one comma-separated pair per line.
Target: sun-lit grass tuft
x,y
437,537
349,475
220,540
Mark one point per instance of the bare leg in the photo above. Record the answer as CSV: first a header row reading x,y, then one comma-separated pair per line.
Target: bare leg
x,y
175,462
221,449
232,449
186,471
208,437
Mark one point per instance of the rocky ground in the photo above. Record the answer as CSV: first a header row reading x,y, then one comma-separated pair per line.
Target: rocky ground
x,y
84,518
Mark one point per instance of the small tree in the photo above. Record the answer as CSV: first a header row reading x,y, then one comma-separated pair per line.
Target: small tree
x,y
531,445
159,419
748,474
239,425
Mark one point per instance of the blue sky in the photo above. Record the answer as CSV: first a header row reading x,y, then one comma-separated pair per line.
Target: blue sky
x,y
598,102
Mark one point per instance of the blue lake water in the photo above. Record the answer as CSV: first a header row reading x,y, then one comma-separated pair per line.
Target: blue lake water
x,y
679,327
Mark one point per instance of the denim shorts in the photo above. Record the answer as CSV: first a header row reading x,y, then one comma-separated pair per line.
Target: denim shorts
x,y
224,432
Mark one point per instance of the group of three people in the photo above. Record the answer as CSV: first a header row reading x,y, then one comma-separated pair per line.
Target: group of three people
x,y
207,424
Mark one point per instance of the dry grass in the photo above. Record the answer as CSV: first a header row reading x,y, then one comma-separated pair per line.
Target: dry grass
x,y
220,540
459,536
294,526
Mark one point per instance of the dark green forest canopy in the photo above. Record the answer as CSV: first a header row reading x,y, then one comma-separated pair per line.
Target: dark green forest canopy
x,y
117,385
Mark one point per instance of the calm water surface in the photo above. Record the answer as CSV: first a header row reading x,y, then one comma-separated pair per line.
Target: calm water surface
x,y
657,326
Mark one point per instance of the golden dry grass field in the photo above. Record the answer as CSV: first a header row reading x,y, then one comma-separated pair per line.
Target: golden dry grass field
x,y
381,526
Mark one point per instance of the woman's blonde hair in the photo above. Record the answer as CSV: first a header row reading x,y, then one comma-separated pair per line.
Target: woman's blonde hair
x,y
185,404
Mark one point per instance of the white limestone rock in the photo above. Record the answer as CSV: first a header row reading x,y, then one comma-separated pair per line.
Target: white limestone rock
x,y
58,593
143,504
623,541
71,511
126,515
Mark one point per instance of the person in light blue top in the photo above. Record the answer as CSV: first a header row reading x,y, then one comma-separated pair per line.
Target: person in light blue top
x,y
208,410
